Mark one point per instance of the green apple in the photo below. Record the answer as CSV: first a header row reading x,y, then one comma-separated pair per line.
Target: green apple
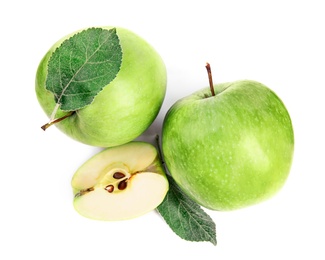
x,y
125,108
232,149
120,183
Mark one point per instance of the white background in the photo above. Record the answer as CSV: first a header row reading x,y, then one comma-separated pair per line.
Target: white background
x,y
279,43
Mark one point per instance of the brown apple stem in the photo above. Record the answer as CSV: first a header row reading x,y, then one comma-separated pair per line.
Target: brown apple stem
x,y
207,66
52,122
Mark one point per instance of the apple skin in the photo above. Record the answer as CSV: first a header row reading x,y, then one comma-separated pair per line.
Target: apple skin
x,y
231,150
125,108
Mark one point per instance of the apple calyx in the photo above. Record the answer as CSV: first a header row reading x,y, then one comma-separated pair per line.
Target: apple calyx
x,y
83,192
57,120
208,68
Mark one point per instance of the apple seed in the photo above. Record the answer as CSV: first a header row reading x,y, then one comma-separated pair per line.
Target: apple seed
x,y
109,188
122,185
118,175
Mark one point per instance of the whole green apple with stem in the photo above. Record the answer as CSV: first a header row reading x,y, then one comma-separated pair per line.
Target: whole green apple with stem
x,y
229,146
124,108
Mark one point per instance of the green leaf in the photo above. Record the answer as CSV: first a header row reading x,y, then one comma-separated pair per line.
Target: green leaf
x,y
82,66
185,217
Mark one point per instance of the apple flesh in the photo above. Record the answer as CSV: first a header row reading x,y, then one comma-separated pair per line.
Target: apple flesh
x,y
125,108
120,183
231,150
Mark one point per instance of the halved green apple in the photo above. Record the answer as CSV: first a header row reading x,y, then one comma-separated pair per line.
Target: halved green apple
x,y
120,183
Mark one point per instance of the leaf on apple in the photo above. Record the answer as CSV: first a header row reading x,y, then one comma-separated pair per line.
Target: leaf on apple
x,y
185,217
82,66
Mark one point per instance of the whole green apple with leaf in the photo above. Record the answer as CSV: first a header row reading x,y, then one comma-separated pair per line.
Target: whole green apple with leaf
x,y
229,146
101,86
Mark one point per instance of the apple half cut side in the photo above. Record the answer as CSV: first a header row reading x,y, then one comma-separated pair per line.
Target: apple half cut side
x,y
119,183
